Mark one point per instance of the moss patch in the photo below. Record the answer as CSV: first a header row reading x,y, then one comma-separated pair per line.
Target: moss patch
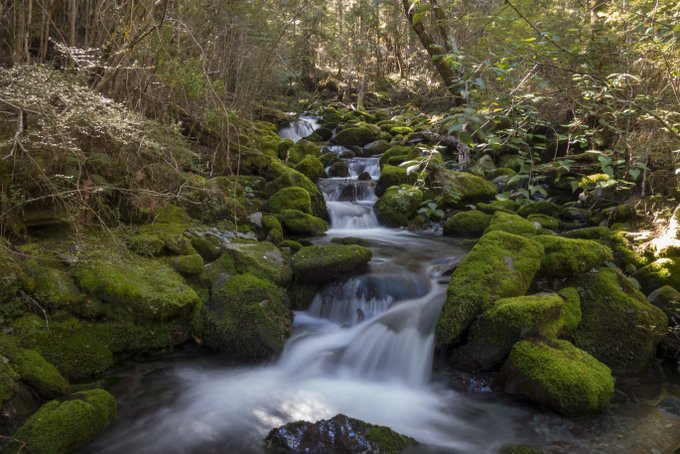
x,y
547,222
460,188
290,199
261,259
565,257
297,223
467,224
512,223
659,273
311,167
328,262
398,205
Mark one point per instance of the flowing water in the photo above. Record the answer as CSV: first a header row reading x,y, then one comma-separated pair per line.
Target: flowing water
x,y
300,128
377,366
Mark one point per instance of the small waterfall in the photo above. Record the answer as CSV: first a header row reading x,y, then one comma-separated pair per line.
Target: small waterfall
x,y
300,128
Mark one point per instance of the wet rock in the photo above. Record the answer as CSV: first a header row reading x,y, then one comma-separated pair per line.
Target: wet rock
x,y
339,434
328,262
339,169
261,259
392,176
311,167
670,405
297,223
290,199
364,176
397,155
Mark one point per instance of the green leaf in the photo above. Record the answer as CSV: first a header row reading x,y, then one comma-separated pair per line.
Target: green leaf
x,y
634,173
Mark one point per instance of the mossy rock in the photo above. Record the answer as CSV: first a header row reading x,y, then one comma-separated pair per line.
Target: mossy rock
x,y
207,246
301,150
292,245
401,130
339,169
297,223
624,256
619,327
509,206
156,239
261,259
547,222
328,262
398,205
557,375
392,176
470,223
290,199
376,148
461,188
287,177
188,265
148,288
658,274
63,425
540,207
54,287
353,136
351,240
566,257
210,200
401,152
311,167
501,265
247,318
571,312
507,321
11,274
522,449
512,223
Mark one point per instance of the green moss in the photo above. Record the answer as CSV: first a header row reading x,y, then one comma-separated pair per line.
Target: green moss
x,y
547,222
248,318
353,136
624,256
328,262
290,199
297,223
467,224
64,425
294,246
311,167
400,152
388,441
53,287
287,177
590,233
11,274
401,130
156,239
172,214
512,223
509,206
398,205
461,188
207,246
392,176
188,265
559,376
619,326
501,265
522,449
8,380
261,259
209,200
42,376
566,257
540,207
571,311
659,273
351,240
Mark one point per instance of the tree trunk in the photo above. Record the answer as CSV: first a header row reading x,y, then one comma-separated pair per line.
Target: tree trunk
x,y
19,30
73,16
362,91
447,74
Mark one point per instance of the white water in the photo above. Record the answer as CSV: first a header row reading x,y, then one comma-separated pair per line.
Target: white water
x,y
300,128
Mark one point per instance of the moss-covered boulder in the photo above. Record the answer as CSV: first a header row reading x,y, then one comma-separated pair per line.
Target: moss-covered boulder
x,y
392,176
353,136
509,206
557,375
207,246
311,167
325,263
467,224
619,327
461,188
149,289
65,424
398,205
338,434
211,199
261,259
566,257
290,199
504,323
247,317
540,207
188,265
160,238
297,223
512,223
375,148
501,265
547,222
400,152
658,274
667,299
287,177
53,286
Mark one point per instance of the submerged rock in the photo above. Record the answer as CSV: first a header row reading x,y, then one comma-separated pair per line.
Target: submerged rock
x,y
339,434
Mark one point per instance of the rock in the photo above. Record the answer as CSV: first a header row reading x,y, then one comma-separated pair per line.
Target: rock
x,y
670,405
504,323
297,223
364,176
188,265
400,152
559,376
540,207
374,148
573,214
328,262
339,169
667,299
398,205
461,188
52,286
658,274
484,166
210,199
311,167
566,257
290,199
261,259
470,223
508,206
65,424
392,176
353,136
207,246
522,449
20,404
339,434
547,222
512,223
160,238
619,327
351,240
401,130
501,265
247,318
287,177
148,288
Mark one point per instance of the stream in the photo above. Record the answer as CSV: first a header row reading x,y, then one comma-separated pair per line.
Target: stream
x,y
379,367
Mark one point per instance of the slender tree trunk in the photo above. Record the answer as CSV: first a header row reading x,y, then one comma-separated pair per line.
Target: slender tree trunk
x,y
19,31
73,17
27,44
362,91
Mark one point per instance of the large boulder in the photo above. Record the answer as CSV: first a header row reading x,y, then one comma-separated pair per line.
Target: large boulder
x,y
247,318
501,265
557,375
659,273
324,263
290,199
311,167
396,155
392,176
461,188
261,259
353,136
398,205
339,434
297,223
512,223
470,223
374,148
63,425
619,327
566,257
286,177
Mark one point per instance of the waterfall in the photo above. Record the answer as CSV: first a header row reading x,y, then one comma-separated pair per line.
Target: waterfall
x,y
300,128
